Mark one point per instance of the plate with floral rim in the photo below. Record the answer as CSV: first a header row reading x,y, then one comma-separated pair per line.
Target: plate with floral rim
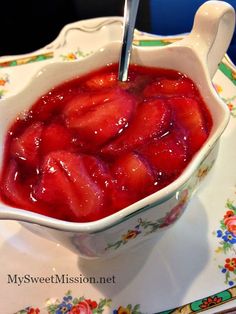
x,y
189,269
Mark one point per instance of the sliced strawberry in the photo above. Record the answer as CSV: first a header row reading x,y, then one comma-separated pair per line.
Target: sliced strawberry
x,y
53,180
55,137
120,198
169,87
80,103
65,179
14,190
187,115
48,105
152,119
133,172
168,155
55,190
98,171
102,176
25,148
134,180
124,184
103,80
109,116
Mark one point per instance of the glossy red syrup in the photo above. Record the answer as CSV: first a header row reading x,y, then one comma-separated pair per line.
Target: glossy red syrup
x,y
93,145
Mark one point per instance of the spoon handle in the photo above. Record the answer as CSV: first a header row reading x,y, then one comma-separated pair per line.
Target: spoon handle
x,y
130,13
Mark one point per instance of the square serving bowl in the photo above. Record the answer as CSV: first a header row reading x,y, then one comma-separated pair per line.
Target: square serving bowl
x,y
197,56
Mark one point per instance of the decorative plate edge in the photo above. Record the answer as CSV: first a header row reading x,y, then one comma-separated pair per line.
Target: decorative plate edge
x,y
74,305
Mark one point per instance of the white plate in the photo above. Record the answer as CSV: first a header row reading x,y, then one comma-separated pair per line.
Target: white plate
x,y
193,263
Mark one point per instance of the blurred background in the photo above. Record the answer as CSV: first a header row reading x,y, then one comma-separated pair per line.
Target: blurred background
x,y
28,25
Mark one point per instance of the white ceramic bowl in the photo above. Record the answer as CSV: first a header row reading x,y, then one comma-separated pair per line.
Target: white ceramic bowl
x,y
197,56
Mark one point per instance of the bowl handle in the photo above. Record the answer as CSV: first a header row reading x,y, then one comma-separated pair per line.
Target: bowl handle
x,y
212,32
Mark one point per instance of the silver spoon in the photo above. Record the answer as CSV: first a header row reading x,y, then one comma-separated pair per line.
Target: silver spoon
x,y
130,13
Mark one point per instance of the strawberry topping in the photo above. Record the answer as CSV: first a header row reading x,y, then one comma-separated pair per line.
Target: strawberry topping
x,y
94,145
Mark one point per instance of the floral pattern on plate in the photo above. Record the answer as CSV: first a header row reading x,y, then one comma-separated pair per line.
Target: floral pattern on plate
x,y
26,60
227,243
81,305
230,101
4,80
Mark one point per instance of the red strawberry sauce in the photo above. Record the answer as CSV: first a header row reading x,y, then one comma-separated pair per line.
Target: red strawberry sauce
x,y
93,145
